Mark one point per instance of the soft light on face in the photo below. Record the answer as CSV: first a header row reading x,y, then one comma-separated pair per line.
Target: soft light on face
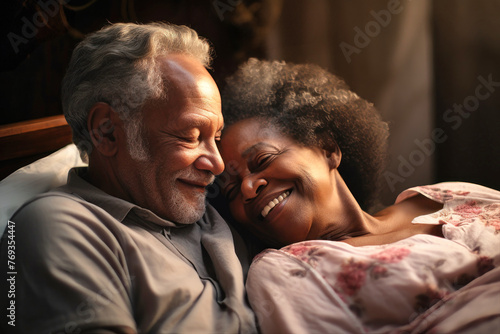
x,y
181,134
275,186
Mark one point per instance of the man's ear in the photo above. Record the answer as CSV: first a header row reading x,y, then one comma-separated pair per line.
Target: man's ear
x,y
334,156
101,123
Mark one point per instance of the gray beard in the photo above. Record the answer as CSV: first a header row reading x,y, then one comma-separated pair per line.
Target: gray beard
x,y
184,212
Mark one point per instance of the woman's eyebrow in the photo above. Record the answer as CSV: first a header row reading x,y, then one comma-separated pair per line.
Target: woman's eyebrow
x,y
255,147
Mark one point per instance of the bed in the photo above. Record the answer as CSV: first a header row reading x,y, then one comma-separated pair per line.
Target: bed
x,y
35,156
24,142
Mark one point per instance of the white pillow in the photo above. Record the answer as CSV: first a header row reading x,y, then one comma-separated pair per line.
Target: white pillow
x,y
36,178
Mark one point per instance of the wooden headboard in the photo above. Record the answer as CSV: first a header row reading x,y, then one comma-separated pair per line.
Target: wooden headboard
x,y
24,142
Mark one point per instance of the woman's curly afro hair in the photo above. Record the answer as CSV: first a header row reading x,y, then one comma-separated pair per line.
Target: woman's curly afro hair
x,y
315,108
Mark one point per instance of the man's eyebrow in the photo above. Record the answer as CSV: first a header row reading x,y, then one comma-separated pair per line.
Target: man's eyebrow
x,y
197,121
255,147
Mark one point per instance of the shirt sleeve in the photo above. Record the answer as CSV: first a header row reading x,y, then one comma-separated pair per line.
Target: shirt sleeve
x,y
70,272
289,296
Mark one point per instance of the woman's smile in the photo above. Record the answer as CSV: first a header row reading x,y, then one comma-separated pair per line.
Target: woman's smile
x,y
275,205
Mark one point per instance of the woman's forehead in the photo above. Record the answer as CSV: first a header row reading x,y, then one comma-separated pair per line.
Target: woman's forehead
x,y
255,127
243,138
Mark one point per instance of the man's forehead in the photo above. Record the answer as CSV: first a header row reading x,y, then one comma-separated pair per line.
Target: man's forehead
x,y
181,66
184,72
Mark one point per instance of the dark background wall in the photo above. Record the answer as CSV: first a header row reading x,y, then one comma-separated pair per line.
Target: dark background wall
x,y
431,67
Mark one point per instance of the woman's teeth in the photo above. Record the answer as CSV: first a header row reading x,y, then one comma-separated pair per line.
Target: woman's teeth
x,y
273,203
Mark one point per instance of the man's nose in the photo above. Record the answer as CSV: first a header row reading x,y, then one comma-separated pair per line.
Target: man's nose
x,y
210,160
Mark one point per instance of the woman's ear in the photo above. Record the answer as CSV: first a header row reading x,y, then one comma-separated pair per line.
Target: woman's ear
x,y
101,125
334,156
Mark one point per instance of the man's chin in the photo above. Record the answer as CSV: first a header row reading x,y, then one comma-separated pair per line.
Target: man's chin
x,y
189,213
190,217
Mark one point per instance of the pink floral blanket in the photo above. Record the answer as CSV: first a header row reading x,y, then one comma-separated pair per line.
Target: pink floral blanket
x,y
420,284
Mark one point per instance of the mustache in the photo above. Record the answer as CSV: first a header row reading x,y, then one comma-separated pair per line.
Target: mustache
x,y
198,176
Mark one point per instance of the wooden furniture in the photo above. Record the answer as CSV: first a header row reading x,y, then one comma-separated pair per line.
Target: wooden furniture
x,y
24,142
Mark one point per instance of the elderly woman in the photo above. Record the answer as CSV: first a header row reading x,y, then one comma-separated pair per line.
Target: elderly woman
x,y
303,156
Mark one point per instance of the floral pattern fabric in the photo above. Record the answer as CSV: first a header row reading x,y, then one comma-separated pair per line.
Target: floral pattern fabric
x,y
327,286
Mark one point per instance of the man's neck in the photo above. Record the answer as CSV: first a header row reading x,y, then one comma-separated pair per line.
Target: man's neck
x,y
103,176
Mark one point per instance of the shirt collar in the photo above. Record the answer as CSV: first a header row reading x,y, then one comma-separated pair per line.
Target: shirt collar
x,y
116,207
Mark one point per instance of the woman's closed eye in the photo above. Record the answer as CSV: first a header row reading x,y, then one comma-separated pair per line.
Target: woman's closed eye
x,y
261,160
231,191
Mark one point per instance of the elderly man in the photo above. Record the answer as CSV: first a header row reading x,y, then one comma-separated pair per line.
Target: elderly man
x,y
128,245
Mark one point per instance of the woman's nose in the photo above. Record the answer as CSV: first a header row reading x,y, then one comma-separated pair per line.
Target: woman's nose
x,y
251,186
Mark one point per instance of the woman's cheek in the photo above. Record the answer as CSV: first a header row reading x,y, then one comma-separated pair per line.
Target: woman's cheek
x,y
238,212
